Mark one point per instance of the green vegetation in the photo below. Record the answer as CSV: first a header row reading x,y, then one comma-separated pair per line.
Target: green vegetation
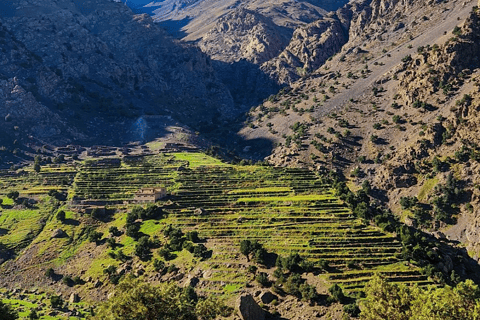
x,y
386,300
135,299
296,215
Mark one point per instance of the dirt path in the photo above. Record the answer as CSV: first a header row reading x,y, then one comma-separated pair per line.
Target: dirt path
x,y
433,35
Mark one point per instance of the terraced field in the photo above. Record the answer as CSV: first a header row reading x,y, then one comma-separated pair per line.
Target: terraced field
x,y
287,210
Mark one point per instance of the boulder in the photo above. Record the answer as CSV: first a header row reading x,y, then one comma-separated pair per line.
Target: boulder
x,y
58,233
74,298
268,297
249,309
199,212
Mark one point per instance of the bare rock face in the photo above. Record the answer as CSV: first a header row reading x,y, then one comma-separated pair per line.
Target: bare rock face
x,y
309,48
249,309
244,34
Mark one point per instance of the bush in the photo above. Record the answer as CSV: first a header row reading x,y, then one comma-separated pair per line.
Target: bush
x,y
13,195
49,273
61,216
352,309
142,249
7,312
262,279
56,301
114,231
252,269
94,236
67,280
336,293
33,315
158,265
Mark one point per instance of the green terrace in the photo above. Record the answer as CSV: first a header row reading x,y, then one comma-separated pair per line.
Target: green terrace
x,y
288,210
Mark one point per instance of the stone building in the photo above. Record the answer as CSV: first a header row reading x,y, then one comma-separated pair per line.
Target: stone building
x,y
149,195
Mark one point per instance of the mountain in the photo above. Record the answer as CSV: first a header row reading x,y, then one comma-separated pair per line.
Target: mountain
x,y
85,71
394,109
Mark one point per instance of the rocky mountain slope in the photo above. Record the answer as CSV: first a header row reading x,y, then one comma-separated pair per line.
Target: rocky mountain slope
x,y
71,66
397,107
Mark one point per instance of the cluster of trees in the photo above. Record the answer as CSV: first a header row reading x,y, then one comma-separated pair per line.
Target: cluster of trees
x,y
178,241
386,300
288,274
135,299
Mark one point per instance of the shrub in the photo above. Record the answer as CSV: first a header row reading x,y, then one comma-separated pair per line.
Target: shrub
x,y
407,58
7,312
142,248
252,269
49,273
336,293
61,216
114,231
67,280
13,195
33,315
262,279
408,202
56,301
94,236
352,309
158,265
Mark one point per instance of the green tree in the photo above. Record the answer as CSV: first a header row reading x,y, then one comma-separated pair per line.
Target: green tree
x,y
386,301
33,315
13,195
246,248
7,312
61,216
137,300
56,301
142,249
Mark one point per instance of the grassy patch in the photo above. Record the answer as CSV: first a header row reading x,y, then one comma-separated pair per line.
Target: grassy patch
x,y
427,186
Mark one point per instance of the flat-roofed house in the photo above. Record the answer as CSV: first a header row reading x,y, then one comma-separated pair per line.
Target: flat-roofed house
x,y
149,195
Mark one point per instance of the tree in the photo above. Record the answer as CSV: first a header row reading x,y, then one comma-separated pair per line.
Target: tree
x,y
385,300
114,231
61,216
142,249
7,312
33,315
49,273
37,167
13,195
94,236
56,301
137,300
246,248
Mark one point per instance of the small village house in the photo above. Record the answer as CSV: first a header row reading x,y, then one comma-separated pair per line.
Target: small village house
x,y
149,195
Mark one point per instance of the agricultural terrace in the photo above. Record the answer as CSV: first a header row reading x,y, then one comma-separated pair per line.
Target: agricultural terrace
x,y
287,210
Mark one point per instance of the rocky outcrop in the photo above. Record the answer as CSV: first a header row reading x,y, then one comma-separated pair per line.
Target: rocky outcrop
x,y
309,48
244,34
249,309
